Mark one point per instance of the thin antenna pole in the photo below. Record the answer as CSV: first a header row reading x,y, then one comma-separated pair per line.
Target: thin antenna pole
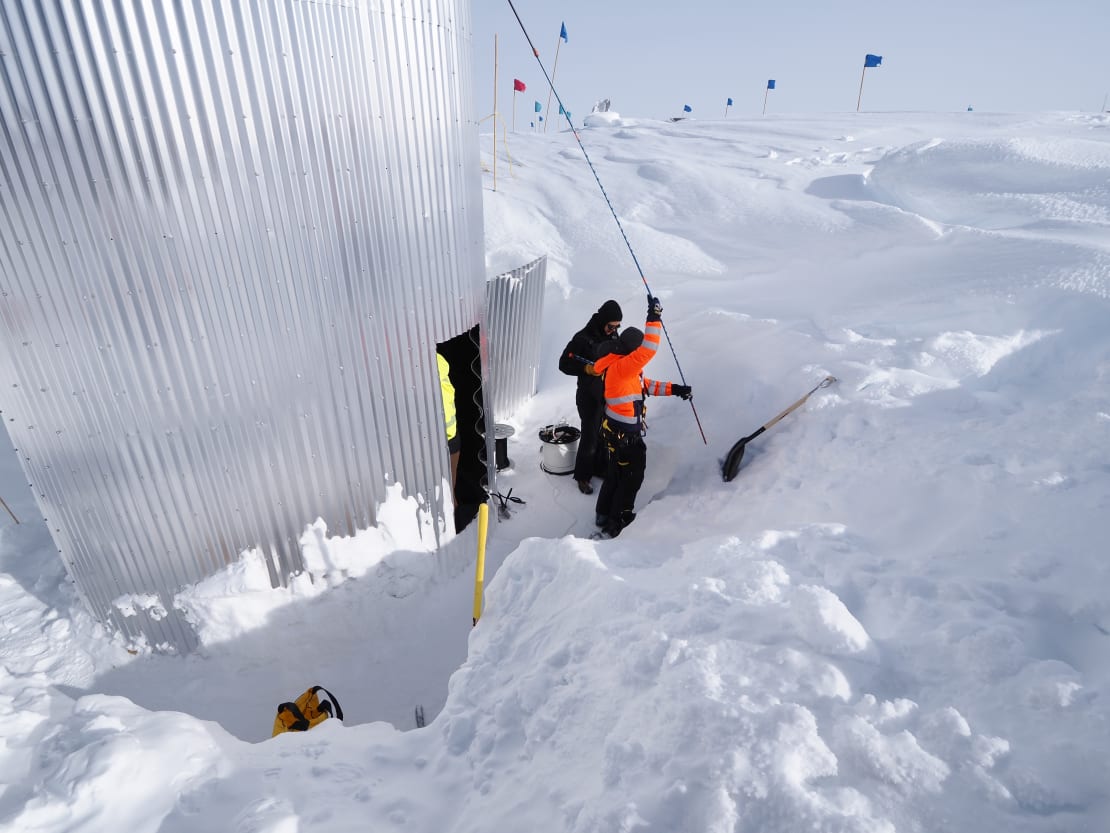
x,y
862,74
597,179
10,512
494,111
765,93
551,80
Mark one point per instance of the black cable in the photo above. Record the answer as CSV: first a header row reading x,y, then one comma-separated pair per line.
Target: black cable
x,y
593,170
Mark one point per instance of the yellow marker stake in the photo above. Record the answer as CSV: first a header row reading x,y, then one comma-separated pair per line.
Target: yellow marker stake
x,y
480,572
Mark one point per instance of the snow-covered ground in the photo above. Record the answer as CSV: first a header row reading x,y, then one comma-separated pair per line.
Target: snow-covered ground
x,y
895,618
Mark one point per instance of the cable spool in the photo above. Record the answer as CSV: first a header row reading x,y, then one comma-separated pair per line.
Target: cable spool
x,y
501,434
560,448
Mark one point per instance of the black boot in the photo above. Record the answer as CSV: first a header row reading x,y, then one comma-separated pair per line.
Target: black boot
x,y
614,527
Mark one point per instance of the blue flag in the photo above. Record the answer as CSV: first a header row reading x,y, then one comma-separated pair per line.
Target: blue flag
x,y
563,33
541,118
686,108
729,104
539,109
561,110
872,60
770,83
532,124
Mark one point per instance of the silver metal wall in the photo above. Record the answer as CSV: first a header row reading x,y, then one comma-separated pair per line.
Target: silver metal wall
x,y
231,234
514,303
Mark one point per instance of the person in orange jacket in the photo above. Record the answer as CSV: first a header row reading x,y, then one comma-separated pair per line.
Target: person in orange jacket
x,y
623,424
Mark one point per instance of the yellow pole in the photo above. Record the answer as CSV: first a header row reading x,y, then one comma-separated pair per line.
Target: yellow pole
x,y
551,89
10,512
495,111
480,571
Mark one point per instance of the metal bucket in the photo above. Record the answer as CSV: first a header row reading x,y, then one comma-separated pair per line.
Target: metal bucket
x,y
560,448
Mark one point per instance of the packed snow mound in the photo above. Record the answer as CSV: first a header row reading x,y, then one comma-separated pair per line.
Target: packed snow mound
x,y
1000,183
607,118
733,662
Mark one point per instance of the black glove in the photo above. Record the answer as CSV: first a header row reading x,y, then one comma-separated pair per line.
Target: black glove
x,y
682,391
655,309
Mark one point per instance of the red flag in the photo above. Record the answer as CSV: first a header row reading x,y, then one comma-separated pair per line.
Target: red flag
x,y
518,85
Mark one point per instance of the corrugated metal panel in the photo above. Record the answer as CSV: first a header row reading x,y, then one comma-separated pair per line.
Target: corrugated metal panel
x,y
514,312
231,234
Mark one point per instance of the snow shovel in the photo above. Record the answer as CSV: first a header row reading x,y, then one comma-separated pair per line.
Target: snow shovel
x,y
736,453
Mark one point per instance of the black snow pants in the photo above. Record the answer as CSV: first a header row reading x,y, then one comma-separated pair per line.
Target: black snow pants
x,y
592,453
623,479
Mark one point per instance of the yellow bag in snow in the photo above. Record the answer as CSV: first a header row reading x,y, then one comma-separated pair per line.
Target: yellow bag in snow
x,y
306,711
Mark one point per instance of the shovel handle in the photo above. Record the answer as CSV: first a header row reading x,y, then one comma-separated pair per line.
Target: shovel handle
x,y
824,383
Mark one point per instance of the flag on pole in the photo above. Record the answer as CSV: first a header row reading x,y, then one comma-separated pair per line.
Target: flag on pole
x,y
728,103
539,107
686,108
767,92
869,61
518,87
551,80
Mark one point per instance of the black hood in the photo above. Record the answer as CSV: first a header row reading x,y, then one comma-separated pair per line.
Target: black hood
x,y
629,340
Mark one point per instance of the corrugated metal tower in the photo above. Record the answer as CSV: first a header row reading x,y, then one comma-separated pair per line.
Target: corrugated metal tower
x,y
231,234
514,315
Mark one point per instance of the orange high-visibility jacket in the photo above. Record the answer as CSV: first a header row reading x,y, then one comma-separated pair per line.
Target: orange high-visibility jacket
x,y
625,384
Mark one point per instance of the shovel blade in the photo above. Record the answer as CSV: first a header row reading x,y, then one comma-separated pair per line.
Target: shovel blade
x,y
732,460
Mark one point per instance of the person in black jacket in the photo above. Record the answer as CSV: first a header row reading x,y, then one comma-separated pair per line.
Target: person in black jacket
x,y
593,341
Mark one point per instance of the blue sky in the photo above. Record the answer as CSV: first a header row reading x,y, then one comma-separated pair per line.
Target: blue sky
x,y
652,57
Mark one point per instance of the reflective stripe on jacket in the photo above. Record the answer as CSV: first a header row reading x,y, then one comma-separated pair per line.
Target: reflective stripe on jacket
x,y
624,382
448,392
